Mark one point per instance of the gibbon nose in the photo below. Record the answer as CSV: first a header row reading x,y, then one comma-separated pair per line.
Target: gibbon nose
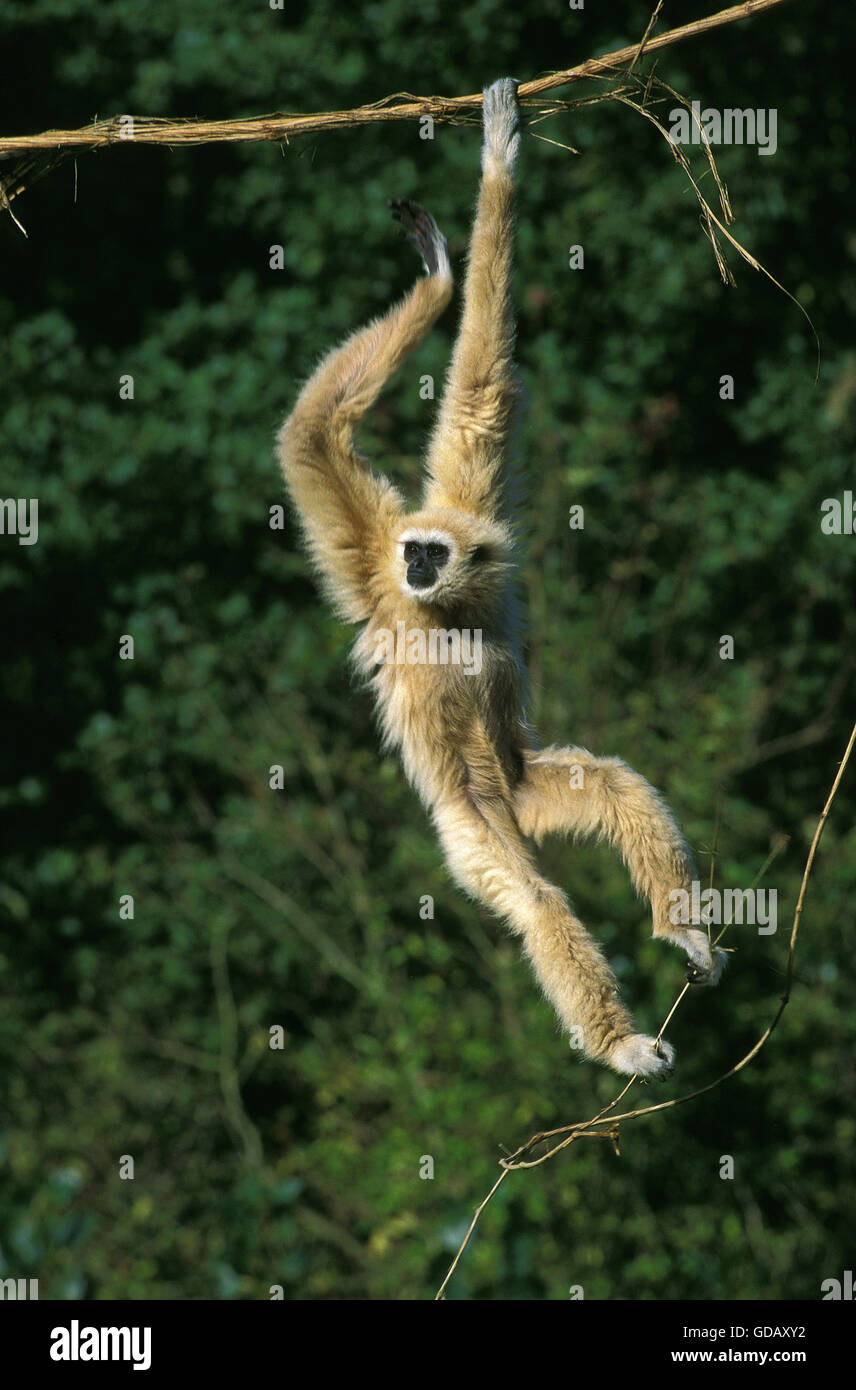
x,y
419,575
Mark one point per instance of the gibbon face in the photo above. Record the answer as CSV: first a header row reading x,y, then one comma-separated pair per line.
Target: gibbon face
x,y
452,558
425,558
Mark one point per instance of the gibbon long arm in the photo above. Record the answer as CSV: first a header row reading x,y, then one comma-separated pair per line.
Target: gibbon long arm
x,y
466,458
462,734
347,513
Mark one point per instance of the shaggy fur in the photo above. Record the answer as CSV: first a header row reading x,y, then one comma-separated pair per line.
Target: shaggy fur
x,y
463,737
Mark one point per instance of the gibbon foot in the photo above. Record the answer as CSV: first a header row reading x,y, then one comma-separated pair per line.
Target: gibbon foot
x,y
639,1055
421,229
501,119
706,964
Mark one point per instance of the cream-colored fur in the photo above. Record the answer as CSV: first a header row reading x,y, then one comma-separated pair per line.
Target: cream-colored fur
x,y
463,737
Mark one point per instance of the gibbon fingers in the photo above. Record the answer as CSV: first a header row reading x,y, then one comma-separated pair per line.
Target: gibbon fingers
x,y
462,735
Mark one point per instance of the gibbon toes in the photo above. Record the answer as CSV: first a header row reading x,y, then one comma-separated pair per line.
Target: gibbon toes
x,y
706,964
501,119
697,975
639,1055
421,229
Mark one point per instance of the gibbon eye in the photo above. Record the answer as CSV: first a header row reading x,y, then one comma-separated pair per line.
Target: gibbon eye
x,y
411,550
437,551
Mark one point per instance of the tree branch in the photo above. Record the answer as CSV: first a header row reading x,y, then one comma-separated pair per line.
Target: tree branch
x,y
279,126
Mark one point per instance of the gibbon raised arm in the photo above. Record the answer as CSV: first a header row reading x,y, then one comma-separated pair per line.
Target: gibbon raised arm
x,y
347,513
441,574
467,452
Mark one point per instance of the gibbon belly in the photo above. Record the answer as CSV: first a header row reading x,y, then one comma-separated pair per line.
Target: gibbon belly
x,y
451,731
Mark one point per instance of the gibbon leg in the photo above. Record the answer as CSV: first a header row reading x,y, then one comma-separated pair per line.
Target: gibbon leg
x,y
486,857
466,455
567,790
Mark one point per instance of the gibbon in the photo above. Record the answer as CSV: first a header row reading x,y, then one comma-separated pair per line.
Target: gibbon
x,y
445,569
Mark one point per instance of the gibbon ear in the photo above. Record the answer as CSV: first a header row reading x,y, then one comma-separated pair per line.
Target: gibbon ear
x,y
480,554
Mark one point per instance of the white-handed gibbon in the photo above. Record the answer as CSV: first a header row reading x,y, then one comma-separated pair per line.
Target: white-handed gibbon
x,y
445,568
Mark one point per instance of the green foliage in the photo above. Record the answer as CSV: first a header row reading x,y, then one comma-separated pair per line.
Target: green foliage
x,y
300,907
